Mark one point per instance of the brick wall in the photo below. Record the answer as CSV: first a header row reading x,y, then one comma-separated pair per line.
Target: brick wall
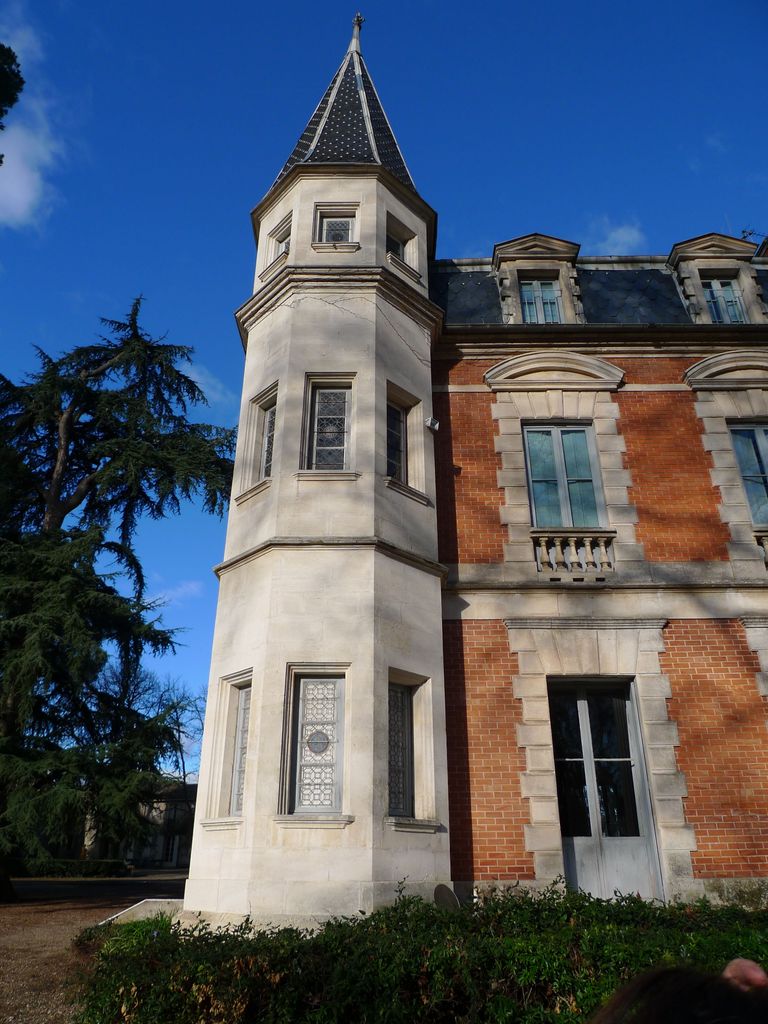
x,y
721,718
484,762
468,495
678,519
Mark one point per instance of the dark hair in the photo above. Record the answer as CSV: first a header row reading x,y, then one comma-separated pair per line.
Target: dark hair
x,y
681,996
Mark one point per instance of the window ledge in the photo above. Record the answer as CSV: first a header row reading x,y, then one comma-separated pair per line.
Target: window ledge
x,y
413,824
220,824
409,492
272,268
313,820
403,267
262,485
327,474
335,246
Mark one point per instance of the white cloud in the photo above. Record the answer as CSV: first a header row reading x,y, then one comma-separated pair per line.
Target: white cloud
x,y
215,390
183,591
606,238
29,141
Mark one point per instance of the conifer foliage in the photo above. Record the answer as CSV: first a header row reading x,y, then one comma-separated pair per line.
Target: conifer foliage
x,y
90,443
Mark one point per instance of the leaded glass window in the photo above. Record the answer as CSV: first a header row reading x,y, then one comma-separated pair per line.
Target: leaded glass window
x,y
751,446
336,229
396,442
329,428
240,750
562,477
267,441
317,763
401,799
540,301
724,302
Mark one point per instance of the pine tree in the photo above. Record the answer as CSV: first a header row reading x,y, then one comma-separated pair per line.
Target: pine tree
x,y
89,444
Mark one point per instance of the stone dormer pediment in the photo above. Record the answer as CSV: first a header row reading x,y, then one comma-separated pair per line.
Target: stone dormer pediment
x,y
553,369
535,247
740,370
712,246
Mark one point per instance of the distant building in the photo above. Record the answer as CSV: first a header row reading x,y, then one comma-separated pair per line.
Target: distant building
x,y
493,601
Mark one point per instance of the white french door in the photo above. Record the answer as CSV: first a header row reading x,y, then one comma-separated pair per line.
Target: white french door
x,y
605,814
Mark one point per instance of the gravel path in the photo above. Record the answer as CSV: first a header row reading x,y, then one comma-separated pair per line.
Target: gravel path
x,y
39,967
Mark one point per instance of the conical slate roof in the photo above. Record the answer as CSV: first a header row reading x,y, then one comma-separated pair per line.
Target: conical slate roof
x,y
349,125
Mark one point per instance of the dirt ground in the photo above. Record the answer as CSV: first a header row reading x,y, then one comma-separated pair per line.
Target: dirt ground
x,y
39,967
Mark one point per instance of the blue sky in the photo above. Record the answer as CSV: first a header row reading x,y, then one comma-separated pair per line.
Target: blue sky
x,y
148,131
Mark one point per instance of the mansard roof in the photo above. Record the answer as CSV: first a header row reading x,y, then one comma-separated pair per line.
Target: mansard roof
x,y
349,125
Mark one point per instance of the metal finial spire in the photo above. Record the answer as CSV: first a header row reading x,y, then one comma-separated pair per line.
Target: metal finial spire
x,y
357,21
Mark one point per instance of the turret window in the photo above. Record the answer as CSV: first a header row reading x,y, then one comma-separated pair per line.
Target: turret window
x,y
329,416
397,443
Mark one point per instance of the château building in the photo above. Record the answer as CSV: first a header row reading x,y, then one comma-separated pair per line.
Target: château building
x,y
493,601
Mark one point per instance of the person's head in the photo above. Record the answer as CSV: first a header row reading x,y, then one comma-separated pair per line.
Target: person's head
x,y
681,996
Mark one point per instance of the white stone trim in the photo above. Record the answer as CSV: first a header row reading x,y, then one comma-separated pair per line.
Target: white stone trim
x,y
587,399
556,369
756,628
722,400
604,648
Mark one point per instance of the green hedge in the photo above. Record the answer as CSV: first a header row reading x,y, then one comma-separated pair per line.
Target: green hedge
x,y
57,868
519,957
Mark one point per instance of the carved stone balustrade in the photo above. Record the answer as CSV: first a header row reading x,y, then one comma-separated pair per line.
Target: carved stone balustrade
x,y
575,552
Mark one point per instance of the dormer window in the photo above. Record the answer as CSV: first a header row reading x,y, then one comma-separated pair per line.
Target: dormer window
x,y
724,301
540,302
335,229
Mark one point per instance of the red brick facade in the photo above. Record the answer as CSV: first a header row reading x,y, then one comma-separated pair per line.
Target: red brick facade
x,y
484,762
676,503
721,719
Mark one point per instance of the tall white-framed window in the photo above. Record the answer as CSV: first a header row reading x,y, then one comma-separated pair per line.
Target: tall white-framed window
x,y
242,695
328,433
256,452
563,476
750,442
316,744
540,301
724,301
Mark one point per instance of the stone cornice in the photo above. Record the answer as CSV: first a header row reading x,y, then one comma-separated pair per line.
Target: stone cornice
x,y
495,340
292,280
582,622
375,543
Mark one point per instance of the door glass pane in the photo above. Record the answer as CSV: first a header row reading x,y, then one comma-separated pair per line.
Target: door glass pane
x,y
572,798
616,792
608,725
564,715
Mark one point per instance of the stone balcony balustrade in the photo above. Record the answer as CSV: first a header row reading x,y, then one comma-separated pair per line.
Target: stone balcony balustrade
x,y
574,551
